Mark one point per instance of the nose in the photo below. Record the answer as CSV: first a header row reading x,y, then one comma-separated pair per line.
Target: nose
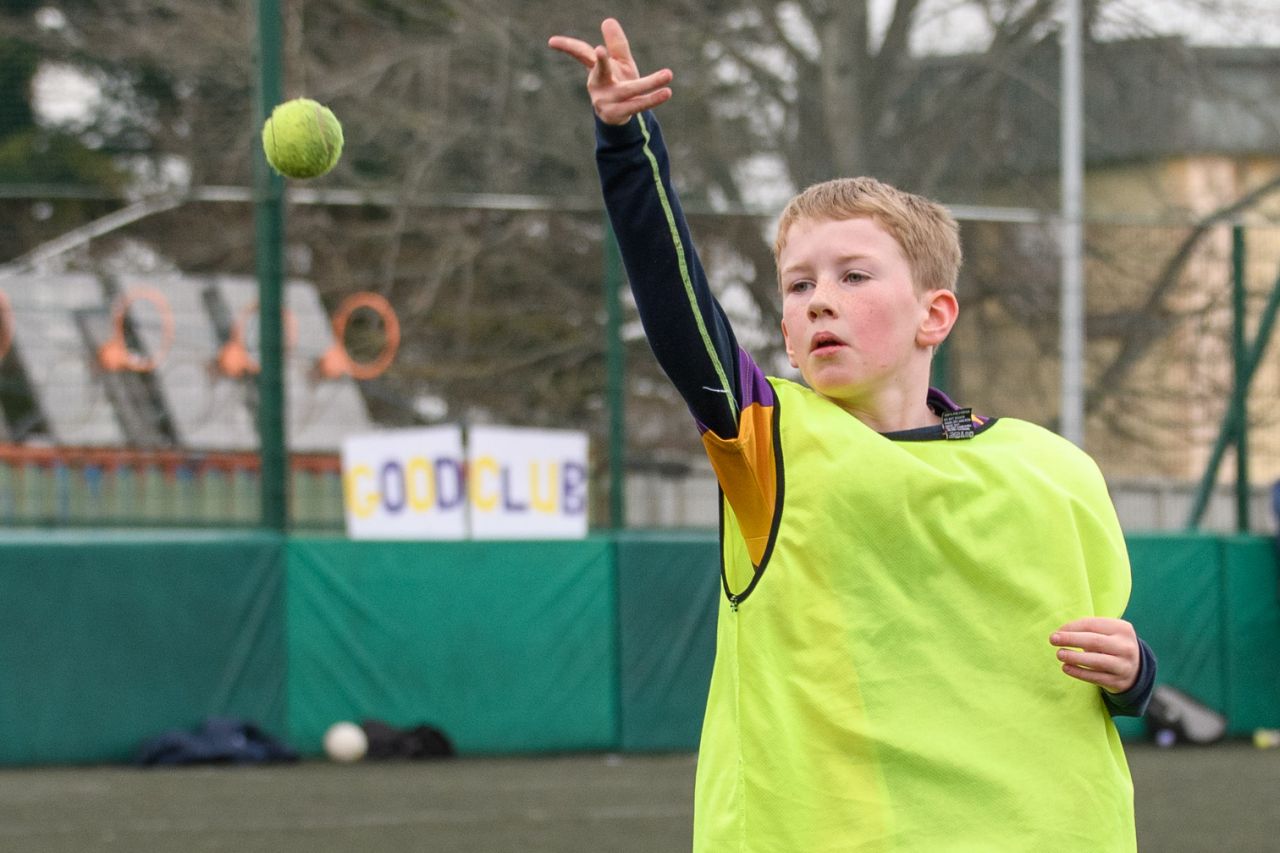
x,y
820,302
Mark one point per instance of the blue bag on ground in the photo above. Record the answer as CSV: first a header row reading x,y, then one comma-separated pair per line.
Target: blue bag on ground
x,y
219,740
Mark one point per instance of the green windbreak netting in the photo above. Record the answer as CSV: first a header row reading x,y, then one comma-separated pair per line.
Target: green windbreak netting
x,y
505,646
1253,634
669,587
109,639
1208,606
1177,607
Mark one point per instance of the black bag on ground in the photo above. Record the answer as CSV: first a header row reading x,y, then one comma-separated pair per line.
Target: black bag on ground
x,y
423,741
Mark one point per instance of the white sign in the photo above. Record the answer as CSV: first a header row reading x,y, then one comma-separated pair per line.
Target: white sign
x,y
509,484
527,483
405,484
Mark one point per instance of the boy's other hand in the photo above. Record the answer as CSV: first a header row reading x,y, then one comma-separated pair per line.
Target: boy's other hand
x,y
1101,651
617,90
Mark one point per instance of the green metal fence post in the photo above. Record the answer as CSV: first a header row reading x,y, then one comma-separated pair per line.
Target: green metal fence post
x,y
1227,433
269,224
1240,396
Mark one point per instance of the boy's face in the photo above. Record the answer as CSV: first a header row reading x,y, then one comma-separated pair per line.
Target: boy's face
x,y
851,316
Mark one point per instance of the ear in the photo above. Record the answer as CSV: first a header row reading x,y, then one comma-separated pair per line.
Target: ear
x,y
786,339
941,310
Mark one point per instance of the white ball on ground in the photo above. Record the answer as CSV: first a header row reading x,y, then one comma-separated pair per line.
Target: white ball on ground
x,y
345,742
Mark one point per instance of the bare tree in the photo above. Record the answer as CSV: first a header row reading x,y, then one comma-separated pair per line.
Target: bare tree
x,y
448,99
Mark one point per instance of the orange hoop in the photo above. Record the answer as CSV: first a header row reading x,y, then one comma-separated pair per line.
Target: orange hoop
x,y
338,362
6,325
233,358
115,355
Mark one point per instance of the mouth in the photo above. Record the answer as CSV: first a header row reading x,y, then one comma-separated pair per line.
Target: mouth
x,y
825,343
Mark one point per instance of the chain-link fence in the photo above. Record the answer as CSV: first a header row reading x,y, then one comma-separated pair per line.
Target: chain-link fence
x,y
451,269
129,386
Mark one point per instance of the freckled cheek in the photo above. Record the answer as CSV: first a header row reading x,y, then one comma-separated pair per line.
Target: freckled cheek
x,y
874,330
795,323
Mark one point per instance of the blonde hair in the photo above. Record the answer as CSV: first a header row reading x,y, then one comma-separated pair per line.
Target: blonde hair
x,y
926,231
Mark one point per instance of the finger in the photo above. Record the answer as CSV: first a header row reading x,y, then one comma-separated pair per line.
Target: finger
x,y
624,91
1095,662
620,112
1107,681
603,67
1099,625
1092,642
616,40
576,48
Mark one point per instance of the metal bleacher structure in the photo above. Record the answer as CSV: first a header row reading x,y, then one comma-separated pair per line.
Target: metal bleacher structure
x,y
168,435
175,444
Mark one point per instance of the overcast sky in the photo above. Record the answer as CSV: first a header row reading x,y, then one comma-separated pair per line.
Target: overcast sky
x,y
952,26
946,26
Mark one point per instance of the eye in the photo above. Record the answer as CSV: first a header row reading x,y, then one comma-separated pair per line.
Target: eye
x,y
855,276
799,286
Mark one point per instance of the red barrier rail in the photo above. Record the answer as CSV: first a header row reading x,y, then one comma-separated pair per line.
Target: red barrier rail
x,y
168,460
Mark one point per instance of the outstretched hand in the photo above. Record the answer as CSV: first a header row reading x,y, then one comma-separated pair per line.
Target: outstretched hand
x,y
1101,651
617,90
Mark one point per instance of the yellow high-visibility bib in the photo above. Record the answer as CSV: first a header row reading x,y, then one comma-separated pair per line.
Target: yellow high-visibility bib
x,y
883,677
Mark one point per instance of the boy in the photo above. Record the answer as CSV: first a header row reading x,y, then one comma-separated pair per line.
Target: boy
x,y
891,564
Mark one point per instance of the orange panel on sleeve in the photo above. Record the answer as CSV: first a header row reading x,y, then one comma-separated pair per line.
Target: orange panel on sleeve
x,y
747,470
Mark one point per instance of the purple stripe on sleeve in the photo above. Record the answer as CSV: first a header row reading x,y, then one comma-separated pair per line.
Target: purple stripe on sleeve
x,y
753,386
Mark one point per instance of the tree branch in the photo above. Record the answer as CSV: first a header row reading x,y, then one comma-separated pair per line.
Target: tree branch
x,y
1142,333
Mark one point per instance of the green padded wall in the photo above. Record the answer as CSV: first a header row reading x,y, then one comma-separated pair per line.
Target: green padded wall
x,y
506,646
1252,625
668,589
1208,606
107,639
1176,606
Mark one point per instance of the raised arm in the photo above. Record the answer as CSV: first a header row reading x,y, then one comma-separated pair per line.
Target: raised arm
x,y
686,327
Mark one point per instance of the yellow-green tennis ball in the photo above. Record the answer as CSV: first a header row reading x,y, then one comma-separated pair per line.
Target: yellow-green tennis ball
x,y
302,139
